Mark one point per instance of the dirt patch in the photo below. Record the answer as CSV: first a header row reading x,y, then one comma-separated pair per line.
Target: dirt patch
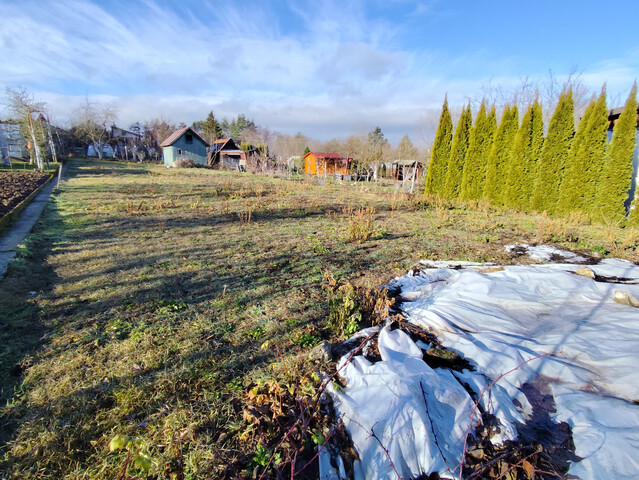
x,y
16,186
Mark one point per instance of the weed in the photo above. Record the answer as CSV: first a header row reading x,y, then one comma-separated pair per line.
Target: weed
x,y
317,246
262,457
135,454
553,230
246,214
306,339
256,332
360,224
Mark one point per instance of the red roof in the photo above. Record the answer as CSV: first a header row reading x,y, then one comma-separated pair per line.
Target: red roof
x,y
171,139
332,156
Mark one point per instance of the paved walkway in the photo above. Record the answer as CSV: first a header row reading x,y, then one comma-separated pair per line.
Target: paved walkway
x,y
16,233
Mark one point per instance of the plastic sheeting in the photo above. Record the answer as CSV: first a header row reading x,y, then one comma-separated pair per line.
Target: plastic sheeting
x,y
403,411
499,320
418,415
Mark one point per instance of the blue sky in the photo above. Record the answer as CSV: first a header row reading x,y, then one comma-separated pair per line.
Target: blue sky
x,y
327,69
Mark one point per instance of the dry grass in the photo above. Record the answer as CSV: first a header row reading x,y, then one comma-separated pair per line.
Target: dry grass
x,y
173,307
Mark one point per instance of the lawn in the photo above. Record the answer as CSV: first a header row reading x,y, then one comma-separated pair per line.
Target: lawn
x,y
175,309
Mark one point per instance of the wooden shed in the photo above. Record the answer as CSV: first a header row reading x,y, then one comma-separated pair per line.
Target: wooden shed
x,y
327,164
184,143
224,153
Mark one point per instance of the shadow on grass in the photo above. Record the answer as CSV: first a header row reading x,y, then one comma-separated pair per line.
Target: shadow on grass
x,y
22,322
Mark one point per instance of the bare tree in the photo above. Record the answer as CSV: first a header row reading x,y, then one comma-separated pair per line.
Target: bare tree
x,y
91,122
24,106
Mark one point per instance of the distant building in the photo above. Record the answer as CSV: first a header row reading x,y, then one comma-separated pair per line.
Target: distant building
x,y
224,153
182,144
405,170
12,141
126,144
327,165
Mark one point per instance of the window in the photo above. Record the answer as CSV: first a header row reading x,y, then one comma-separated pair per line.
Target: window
x,y
189,138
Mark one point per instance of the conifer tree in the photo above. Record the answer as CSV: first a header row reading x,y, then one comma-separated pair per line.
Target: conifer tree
x,y
612,192
585,158
537,143
552,161
497,167
597,149
406,150
481,139
458,151
436,175
571,183
518,161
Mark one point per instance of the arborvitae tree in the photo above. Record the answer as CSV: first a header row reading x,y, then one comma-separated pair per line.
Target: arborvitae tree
x,y
523,158
436,176
617,174
517,162
552,161
573,172
597,149
498,164
481,139
537,143
458,151
585,158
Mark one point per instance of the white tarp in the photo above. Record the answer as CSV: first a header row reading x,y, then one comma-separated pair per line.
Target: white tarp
x,y
497,321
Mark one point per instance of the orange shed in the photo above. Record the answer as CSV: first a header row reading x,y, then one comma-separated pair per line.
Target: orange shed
x,y
326,164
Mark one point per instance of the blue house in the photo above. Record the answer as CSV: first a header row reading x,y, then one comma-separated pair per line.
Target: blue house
x,y
182,144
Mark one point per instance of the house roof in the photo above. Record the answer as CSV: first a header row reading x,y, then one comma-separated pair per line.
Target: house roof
x,y
614,113
329,156
171,139
222,143
407,163
121,132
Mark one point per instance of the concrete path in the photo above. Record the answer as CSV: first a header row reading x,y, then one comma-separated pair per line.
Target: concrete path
x,y
16,233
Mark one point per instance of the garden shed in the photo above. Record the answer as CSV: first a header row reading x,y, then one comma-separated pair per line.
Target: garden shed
x,y
224,153
184,143
327,164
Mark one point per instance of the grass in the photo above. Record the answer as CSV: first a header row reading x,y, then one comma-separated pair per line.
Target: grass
x,y
172,307
20,165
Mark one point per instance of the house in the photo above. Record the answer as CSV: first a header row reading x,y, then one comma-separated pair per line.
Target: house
x,y
126,144
224,153
182,144
13,144
613,116
327,164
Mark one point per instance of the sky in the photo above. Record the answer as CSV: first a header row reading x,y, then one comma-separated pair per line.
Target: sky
x,y
323,68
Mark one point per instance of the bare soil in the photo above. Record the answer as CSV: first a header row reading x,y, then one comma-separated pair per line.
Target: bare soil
x,y
16,186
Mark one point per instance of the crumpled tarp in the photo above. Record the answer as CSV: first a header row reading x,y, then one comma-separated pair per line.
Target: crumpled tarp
x,y
403,406
498,320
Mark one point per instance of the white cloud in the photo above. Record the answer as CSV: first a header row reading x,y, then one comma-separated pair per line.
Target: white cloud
x,y
326,70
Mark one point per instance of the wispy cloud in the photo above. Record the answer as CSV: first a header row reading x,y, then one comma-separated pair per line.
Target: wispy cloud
x,y
324,68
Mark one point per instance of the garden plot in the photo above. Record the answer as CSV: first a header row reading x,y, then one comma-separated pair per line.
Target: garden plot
x,y
572,352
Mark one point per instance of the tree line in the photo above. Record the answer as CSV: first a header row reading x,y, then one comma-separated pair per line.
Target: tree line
x,y
512,164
